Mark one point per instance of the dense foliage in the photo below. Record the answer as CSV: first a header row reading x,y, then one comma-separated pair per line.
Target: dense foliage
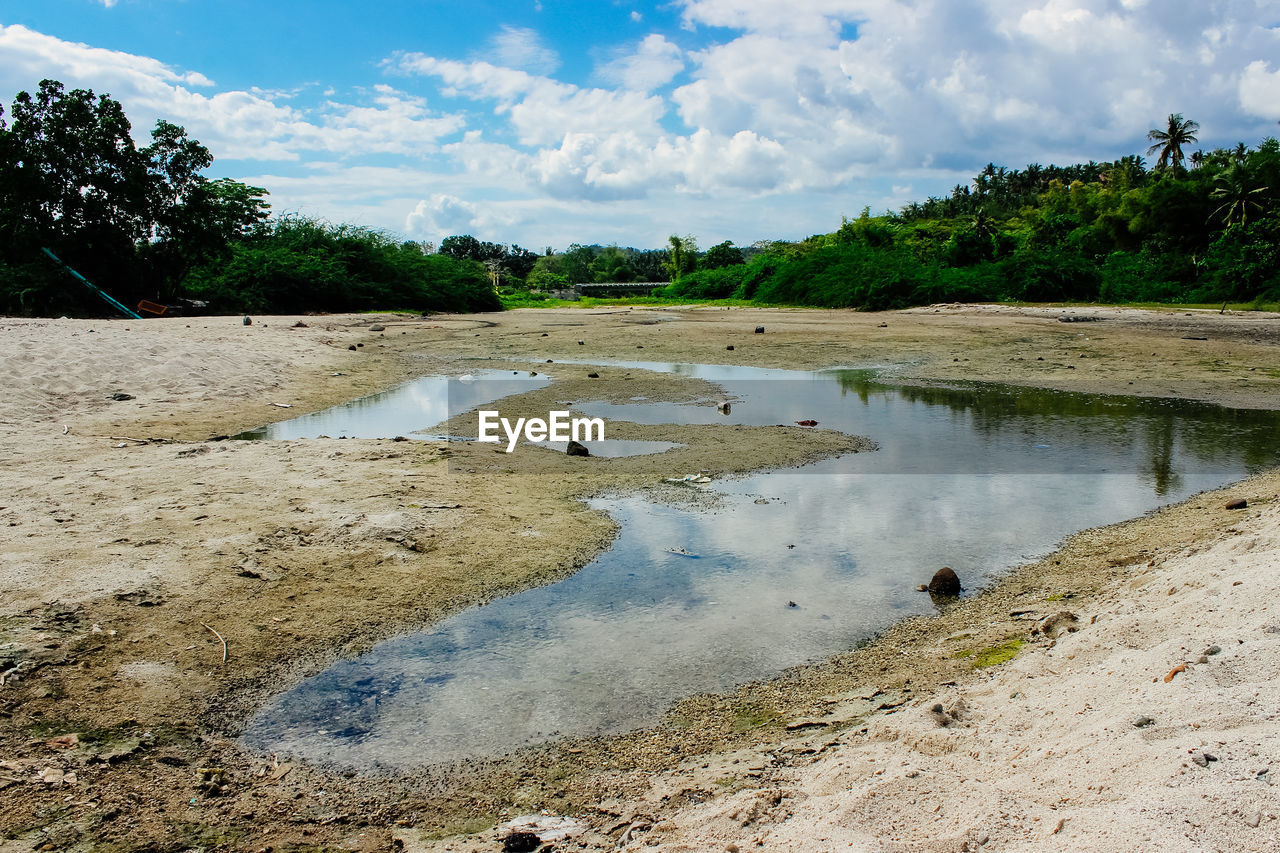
x,y
1116,232
144,223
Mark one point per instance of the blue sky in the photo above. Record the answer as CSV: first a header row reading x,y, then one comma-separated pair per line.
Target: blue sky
x,y
557,121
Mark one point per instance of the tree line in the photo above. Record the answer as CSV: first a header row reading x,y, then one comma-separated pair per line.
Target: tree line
x,y
144,223
1196,226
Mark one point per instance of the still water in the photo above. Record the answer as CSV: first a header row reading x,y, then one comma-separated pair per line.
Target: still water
x,y
979,478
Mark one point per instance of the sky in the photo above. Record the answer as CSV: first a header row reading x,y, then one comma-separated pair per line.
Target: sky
x,y
550,122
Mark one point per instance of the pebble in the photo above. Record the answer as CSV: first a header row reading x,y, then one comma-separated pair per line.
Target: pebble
x,y
1213,650
1142,721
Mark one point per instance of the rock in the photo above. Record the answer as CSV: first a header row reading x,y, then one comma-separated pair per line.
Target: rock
x,y
1200,759
544,334
1238,503
1213,650
301,325
120,396
924,587
377,328
593,375
1253,819
724,407
521,842
400,438
247,321
577,449
352,347
582,343
792,604
1202,659
729,347
944,582
808,422
1052,626
1142,721
759,330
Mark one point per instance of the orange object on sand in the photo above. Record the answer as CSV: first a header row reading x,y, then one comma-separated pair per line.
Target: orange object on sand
x,y
152,307
1182,667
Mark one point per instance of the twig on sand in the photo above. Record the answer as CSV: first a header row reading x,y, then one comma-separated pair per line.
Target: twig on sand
x,y
220,637
127,438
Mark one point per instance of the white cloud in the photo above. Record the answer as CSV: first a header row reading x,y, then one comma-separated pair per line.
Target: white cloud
x,y
541,111
439,216
1260,90
256,124
519,47
652,63
108,3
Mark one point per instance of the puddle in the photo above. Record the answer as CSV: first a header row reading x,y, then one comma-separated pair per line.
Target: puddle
x,y
979,478
406,410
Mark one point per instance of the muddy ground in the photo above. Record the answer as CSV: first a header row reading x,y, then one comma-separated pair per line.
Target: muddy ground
x,y
136,541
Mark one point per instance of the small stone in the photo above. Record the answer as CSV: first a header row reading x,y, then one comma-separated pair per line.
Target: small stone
x,y
248,321
352,347
377,328
400,438
792,604
544,334
1201,759
729,347
593,375
1202,659
944,582
577,449
1142,721
759,330
1213,650
1238,503
121,397
582,343
1253,820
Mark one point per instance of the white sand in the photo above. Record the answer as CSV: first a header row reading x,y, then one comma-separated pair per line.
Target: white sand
x,y
1045,754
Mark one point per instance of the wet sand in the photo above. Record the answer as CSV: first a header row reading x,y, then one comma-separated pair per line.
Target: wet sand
x,y
130,538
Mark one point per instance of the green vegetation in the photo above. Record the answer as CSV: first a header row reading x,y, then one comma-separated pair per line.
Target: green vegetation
x,y
993,656
144,223
1113,232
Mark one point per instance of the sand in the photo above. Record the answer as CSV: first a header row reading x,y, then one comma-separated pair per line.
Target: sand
x,y
130,536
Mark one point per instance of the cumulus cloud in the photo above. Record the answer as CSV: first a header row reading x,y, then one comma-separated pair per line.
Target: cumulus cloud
x,y
1260,90
440,215
254,124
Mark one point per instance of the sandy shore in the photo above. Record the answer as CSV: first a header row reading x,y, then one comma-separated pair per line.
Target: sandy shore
x,y
130,538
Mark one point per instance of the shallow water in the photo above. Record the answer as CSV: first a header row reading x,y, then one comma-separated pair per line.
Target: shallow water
x,y
408,410
980,478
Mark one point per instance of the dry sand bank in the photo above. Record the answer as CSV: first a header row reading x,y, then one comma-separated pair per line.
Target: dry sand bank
x,y
115,559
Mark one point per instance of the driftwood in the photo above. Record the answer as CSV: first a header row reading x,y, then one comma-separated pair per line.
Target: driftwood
x,y
220,637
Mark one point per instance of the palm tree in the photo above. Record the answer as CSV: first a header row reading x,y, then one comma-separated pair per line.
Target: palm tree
x,y
1238,199
1169,142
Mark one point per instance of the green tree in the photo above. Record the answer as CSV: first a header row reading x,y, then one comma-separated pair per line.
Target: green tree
x,y
1169,142
1238,197
721,255
683,255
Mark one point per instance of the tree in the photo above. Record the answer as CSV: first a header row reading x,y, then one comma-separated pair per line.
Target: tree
x,y
133,220
612,264
721,255
1238,198
683,255
1169,142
